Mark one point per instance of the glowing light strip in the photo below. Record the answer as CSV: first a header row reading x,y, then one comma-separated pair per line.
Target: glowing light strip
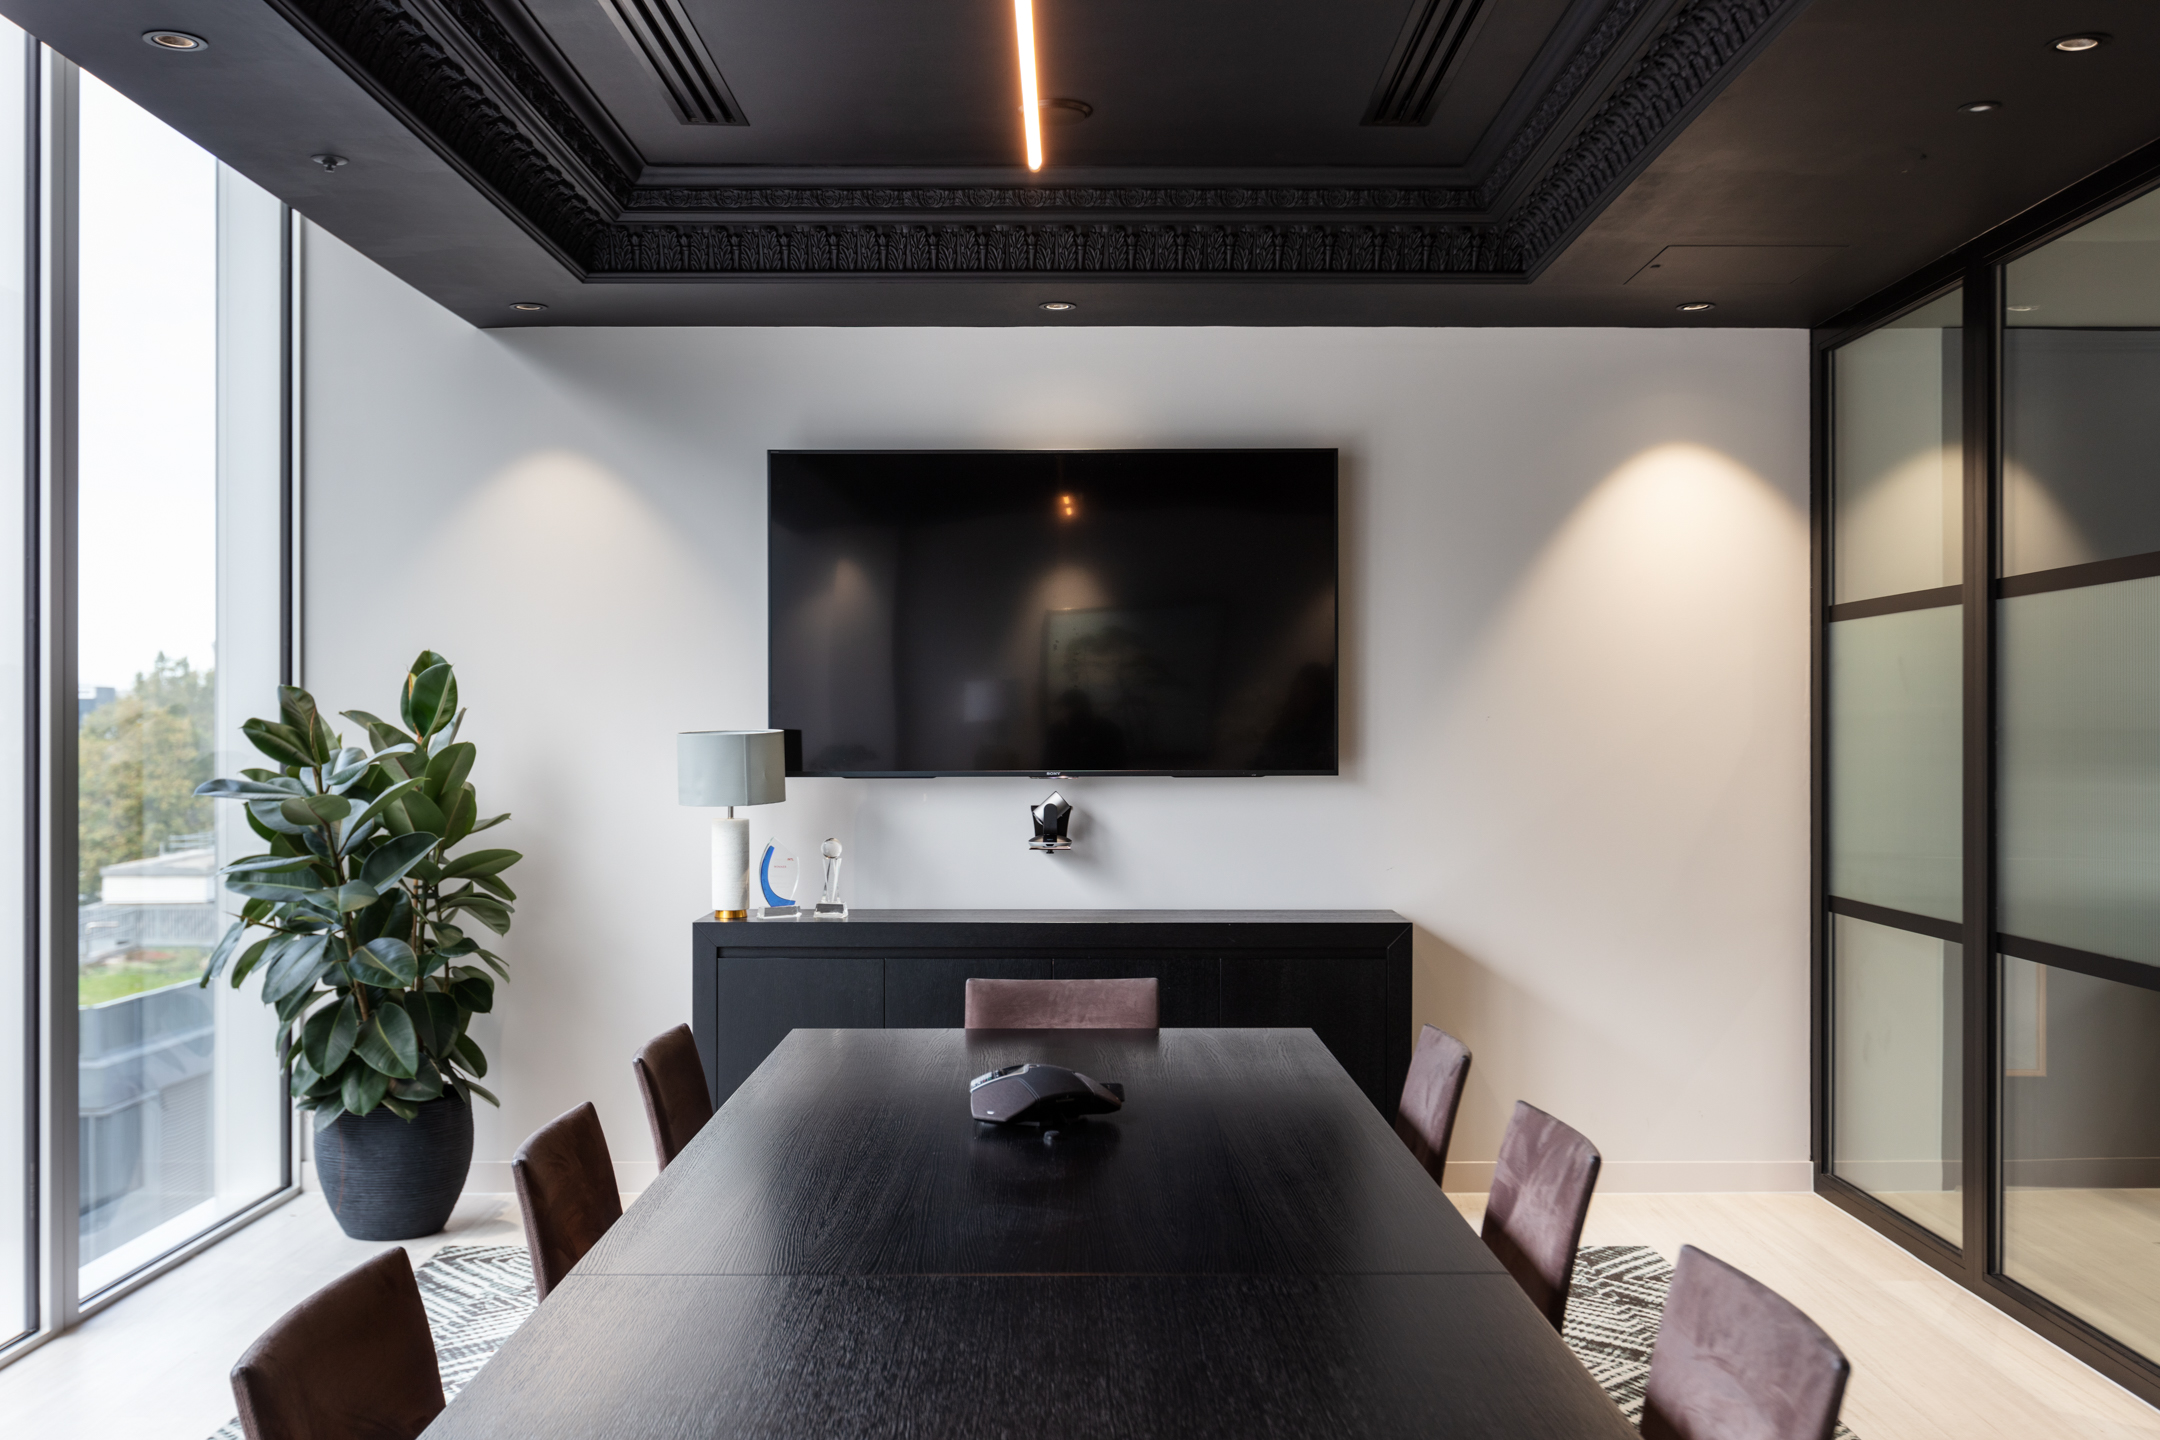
x,y
1030,105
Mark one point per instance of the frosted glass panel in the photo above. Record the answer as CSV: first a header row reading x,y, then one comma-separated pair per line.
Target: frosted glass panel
x,y
17,1135
2079,752
1896,793
1895,1082
1896,470
2081,1147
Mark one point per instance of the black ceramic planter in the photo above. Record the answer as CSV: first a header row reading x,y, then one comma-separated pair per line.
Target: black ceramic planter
x,y
391,1179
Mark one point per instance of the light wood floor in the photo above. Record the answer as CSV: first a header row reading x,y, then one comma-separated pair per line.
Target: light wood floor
x,y
1930,1361
153,1366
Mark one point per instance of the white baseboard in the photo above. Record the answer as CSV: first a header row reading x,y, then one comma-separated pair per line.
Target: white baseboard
x,y
492,1177
1663,1177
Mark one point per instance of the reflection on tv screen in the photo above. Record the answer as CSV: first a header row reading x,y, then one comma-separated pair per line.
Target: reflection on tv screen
x,y
997,612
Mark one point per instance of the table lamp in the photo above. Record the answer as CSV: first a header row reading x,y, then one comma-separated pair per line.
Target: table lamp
x,y
731,768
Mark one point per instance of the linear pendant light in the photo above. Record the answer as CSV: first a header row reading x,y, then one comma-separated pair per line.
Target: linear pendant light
x,y
1030,103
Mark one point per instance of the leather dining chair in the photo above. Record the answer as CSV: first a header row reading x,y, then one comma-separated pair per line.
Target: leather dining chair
x,y
672,1079
353,1361
566,1187
1431,1093
1540,1193
1735,1360
1061,1004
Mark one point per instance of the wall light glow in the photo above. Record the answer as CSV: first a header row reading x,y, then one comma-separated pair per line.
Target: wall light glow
x,y
1030,100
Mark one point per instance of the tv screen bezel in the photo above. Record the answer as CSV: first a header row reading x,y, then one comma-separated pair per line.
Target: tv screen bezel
x,y
794,745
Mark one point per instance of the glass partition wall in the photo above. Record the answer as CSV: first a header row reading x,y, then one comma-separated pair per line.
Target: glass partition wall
x,y
1988,768
146,320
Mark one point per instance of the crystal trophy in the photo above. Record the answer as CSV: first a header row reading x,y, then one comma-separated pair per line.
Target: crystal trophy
x,y
829,906
777,876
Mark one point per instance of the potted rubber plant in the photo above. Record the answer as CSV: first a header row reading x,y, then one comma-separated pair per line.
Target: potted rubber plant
x,y
361,915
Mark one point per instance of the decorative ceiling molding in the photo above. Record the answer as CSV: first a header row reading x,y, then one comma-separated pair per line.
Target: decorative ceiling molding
x,y
456,76
1431,46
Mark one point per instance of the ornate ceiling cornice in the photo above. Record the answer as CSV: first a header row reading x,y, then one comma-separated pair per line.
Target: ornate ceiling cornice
x,y
460,79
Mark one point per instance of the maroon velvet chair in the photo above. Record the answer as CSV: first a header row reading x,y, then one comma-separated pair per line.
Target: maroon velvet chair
x,y
672,1079
566,1187
1737,1361
1061,1004
353,1361
1431,1094
1540,1193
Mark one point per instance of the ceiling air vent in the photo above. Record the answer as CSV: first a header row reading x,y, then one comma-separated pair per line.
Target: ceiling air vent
x,y
1433,42
663,36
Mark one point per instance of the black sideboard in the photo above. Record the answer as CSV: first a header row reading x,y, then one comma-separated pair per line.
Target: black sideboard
x,y
1343,973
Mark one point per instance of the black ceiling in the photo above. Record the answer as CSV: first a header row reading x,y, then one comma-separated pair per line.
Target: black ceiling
x,y
1261,162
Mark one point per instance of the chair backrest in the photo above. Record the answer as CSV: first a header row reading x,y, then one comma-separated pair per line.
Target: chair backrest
x,y
672,1079
1061,1004
353,1361
1431,1093
566,1187
1735,1360
1540,1193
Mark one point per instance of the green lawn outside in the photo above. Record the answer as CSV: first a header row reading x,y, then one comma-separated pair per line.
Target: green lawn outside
x,y
136,972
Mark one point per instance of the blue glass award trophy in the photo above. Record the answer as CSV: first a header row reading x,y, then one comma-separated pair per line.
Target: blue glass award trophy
x,y
776,876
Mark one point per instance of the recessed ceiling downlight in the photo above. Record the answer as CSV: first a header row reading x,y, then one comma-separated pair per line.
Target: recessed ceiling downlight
x,y
2078,44
527,305
1694,305
1980,107
1057,305
175,40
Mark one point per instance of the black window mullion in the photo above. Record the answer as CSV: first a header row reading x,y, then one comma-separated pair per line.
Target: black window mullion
x,y
1983,429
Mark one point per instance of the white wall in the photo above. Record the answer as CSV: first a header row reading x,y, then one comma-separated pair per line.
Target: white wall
x,y
1575,679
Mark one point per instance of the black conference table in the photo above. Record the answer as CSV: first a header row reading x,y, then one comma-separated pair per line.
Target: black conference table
x,y
1246,1250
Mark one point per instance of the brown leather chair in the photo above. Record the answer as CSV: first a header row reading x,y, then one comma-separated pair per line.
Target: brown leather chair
x,y
1431,1094
672,1079
566,1187
1061,1004
1540,1193
353,1361
1737,1361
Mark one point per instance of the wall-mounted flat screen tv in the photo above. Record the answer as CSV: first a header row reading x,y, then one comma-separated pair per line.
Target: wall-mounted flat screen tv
x,y
1043,612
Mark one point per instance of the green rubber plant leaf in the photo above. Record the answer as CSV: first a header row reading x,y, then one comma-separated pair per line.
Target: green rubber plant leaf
x,y
222,789
391,859
330,1034
381,803
356,895
424,813
294,965
280,742
481,862
481,1090
469,1056
435,1018
381,733
268,819
293,1006
388,962
296,709
387,1042
458,817
485,908
446,772
426,1084
495,885
430,698
326,1113
223,952
364,1086
490,823
267,864
315,809
404,1110
473,988
249,959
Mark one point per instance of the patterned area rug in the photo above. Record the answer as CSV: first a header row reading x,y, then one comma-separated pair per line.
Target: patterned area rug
x,y
476,1295
1614,1305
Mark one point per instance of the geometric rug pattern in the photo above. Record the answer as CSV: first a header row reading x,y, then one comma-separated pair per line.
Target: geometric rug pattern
x,y
477,1296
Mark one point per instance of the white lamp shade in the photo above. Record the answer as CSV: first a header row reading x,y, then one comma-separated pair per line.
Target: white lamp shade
x,y
731,767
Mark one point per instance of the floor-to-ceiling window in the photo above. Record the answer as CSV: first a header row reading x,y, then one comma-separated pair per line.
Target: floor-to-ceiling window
x,y
1989,719
145,321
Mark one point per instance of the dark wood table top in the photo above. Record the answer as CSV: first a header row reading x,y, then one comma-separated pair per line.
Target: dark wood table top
x,y
1246,1249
